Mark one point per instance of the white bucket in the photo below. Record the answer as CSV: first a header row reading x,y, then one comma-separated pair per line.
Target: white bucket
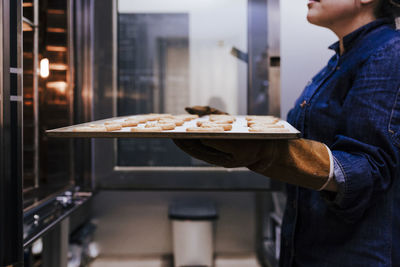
x,y
193,243
192,232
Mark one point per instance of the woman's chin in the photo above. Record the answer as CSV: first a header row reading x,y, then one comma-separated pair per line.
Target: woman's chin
x,y
311,18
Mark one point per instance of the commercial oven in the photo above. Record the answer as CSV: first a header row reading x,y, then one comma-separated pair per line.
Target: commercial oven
x,y
71,61
52,180
43,181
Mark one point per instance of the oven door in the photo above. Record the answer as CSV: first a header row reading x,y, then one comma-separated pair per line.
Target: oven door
x,y
161,56
56,177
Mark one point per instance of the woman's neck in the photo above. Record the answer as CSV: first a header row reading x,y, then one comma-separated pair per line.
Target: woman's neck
x,y
347,27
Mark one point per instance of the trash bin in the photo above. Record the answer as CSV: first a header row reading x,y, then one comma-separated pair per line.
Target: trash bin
x,y
193,233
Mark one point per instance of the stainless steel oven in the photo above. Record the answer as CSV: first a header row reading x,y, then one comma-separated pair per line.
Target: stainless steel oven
x,y
42,180
47,98
56,173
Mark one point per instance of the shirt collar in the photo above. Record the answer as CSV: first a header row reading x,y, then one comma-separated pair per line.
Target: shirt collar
x,y
351,39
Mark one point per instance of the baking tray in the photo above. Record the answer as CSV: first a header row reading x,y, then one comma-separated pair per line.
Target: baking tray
x,y
239,131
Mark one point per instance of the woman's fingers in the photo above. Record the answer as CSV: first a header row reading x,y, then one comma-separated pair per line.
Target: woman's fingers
x,y
196,149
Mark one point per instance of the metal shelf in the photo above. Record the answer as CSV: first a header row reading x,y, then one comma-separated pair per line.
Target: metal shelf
x,y
56,30
54,48
27,27
56,11
29,22
27,4
56,66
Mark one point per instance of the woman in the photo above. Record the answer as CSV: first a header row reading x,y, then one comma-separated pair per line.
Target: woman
x,y
343,206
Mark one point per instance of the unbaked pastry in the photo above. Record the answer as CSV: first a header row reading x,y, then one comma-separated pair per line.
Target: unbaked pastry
x,y
205,130
146,130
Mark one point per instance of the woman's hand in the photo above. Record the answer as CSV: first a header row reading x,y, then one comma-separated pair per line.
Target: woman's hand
x,y
227,153
204,110
300,162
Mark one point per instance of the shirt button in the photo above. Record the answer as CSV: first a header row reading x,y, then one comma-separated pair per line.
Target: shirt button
x,y
338,68
302,105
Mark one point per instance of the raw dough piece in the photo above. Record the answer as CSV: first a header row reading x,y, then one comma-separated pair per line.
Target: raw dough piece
x,y
266,125
151,125
164,126
177,122
113,127
152,117
268,130
264,121
167,126
130,123
201,129
94,125
254,118
156,116
207,124
146,130
166,116
139,119
112,123
222,118
89,129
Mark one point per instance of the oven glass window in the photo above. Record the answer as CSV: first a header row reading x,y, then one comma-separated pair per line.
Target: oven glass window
x,y
173,54
46,97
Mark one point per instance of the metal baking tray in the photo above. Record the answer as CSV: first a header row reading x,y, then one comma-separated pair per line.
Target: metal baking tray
x,y
239,131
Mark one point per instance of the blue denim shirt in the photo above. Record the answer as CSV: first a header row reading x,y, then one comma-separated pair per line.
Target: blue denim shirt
x,y
353,106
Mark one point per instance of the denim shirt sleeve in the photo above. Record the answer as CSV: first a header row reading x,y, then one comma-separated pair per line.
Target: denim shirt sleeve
x,y
366,150
338,176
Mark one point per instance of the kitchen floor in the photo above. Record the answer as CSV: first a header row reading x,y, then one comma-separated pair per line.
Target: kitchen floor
x,y
244,261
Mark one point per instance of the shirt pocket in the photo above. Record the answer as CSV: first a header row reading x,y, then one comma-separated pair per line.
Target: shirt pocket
x,y
394,123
